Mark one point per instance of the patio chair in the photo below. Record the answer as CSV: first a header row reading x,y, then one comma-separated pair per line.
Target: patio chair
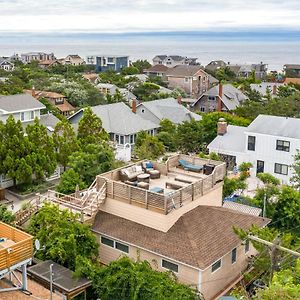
x,y
189,167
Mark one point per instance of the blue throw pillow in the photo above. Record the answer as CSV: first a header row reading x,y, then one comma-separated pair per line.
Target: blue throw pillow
x,y
149,165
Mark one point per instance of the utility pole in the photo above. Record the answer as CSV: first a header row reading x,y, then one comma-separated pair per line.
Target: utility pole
x,y
270,244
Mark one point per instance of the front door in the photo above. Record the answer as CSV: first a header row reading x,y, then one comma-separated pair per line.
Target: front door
x,y
260,166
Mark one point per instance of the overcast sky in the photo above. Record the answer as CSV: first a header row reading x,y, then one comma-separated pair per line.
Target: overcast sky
x,y
147,15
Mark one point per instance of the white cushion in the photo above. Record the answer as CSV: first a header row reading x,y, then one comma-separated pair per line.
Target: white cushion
x,y
138,168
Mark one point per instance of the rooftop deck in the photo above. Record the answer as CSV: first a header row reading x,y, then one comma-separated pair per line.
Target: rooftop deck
x,y
15,247
177,186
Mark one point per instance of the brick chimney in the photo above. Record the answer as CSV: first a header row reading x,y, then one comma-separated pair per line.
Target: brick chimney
x,y
274,92
179,100
222,126
133,106
220,95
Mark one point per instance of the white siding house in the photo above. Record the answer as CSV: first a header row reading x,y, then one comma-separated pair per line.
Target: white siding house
x,y
269,143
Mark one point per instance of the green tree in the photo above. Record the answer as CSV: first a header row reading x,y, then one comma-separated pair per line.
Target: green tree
x,y
144,90
225,74
127,279
130,71
191,137
232,185
140,137
167,134
141,65
210,121
69,180
286,213
65,142
6,216
285,285
43,156
94,160
15,159
62,237
296,168
150,148
90,130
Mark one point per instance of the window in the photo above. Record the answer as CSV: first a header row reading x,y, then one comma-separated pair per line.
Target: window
x,y
202,109
117,138
186,79
22,116
121,139
216,266
251,143
283,146
131,139
247,246
211,98
170,266
122,247
233,256
107,242
32,115
281,169
143,110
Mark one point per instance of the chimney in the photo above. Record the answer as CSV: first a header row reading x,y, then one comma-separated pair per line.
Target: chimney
x,y
222,126
133,106
33,92
220,95
274,89
179,100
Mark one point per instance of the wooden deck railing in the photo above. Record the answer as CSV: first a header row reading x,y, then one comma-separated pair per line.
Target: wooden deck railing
x,y
159,202
20,251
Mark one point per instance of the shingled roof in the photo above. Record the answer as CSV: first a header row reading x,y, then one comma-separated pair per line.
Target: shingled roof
x,y
199,238
184,70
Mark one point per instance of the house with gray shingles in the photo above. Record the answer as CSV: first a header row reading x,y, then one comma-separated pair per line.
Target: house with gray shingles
x,y
192,79
264,87
246,70
221,98
36,56
215,65
169,108
6,64
119,121
291,70
173,60
25,108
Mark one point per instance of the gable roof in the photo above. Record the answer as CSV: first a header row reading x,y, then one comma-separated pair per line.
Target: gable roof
x,y
118,118
199,237
19,102
161,57
276,126
170,109
231,97
157,68
292,80
184,70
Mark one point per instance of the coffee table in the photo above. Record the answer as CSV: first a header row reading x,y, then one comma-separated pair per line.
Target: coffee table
x,y
143,178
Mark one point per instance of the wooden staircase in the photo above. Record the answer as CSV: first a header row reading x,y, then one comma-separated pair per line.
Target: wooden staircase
x,y
83,203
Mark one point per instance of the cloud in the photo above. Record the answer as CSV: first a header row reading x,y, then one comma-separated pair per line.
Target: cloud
x,y
146,15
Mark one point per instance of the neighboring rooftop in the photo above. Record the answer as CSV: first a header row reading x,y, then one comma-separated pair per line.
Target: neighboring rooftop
x,y
170,109
292,66
157,68
199,237
276,126
264,86
118,118
19,102
183,71
231,97
233,141
292,80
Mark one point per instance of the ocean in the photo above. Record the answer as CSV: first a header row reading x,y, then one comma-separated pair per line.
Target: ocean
x,y
273,48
